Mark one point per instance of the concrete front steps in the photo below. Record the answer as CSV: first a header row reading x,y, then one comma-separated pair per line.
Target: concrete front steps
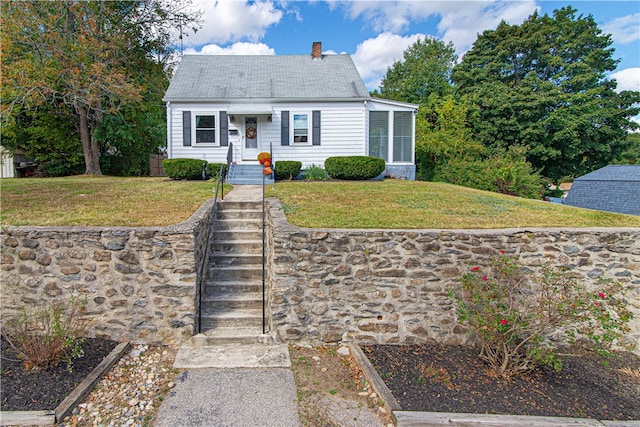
x,y
247,173
231,304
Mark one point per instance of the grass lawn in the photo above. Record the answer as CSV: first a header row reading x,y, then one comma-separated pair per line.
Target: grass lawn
x,y
386,204
413,204
105,200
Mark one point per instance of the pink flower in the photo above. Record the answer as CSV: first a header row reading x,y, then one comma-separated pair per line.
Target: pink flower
x,y
476,268
597,304
503,321
502,252
601,295
484,278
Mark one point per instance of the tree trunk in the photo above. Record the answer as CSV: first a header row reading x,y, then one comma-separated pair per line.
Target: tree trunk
x,y
90,147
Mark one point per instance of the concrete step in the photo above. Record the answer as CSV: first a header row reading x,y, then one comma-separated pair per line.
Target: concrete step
x,y
237,225
238,234
267,354
230,214
236,335
241,318
239,287
235,273
248,174
239,205
230,301
228,260
236,247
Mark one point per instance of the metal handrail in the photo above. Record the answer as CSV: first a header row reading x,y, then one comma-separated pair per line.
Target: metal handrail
x,y
210,226
264,314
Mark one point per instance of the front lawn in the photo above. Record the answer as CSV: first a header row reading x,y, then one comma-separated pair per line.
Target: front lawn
x,y
101,201
389,204
412,204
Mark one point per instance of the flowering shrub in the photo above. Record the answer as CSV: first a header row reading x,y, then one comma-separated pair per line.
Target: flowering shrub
x,y
512,311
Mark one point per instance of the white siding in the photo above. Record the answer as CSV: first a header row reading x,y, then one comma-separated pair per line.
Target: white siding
x,y
6,159
212,154
343,133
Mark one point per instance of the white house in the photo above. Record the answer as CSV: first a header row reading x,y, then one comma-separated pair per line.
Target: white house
x,y
299,107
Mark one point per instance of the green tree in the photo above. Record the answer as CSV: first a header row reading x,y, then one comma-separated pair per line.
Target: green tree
x,y
631,153
543,85
424,71
85,57
442,133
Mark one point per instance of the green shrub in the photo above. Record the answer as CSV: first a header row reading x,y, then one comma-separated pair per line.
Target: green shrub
x,y
506,172
183,168
354,167
287,169
44,337
213,170
315,173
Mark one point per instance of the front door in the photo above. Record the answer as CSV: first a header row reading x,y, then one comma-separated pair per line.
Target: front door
x,y
250,148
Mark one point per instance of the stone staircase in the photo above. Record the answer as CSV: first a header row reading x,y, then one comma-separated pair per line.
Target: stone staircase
x,y
231,305
247,173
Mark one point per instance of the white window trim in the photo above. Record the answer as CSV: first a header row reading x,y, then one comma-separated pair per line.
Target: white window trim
x,y
309,129
193,129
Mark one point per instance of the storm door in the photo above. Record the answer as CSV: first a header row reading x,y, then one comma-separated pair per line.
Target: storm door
x,y
250,148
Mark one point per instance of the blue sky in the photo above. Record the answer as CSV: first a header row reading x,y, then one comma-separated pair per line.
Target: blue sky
x,y
375,33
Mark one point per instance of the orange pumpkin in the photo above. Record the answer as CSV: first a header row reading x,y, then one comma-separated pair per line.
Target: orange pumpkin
x,y
268,171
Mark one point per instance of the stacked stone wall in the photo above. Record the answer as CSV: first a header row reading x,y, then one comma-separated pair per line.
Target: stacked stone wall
x,y
392,286
140,283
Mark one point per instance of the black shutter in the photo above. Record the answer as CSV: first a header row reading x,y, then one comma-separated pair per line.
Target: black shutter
x,y
316,127
284,129
186,128
224,129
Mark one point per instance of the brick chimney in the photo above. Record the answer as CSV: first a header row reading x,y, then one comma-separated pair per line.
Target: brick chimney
x,y
316,50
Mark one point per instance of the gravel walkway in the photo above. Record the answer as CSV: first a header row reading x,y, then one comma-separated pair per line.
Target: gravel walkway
x,y
131,392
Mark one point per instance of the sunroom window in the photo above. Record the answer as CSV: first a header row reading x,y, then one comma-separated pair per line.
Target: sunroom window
x,y
379,134
402,132
205,129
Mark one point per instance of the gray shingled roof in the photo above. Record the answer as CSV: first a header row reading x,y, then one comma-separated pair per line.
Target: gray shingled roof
x,y
261,77
614,188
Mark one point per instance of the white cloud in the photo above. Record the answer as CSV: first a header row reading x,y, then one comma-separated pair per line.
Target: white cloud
x,y
233,20
625,29
628,79
462,25
239,48
460,21
374,56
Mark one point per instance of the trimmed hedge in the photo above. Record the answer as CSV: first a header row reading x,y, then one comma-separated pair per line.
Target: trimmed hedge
x,y
213,169
354,167
287,169
183,168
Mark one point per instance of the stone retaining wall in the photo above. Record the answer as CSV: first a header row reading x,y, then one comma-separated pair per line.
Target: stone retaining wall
x,y
324,285
392,286
140,283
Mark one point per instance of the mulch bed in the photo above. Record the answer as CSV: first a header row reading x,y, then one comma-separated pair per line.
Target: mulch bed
x,y
44,390
435,378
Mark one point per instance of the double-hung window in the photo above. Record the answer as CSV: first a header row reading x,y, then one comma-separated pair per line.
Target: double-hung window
x,y
205,128
300,128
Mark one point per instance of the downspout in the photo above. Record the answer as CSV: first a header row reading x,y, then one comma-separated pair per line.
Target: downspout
x,y
366,128
169,129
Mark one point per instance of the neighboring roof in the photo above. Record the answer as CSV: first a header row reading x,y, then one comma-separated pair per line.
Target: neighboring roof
x,y
614,188
266,77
